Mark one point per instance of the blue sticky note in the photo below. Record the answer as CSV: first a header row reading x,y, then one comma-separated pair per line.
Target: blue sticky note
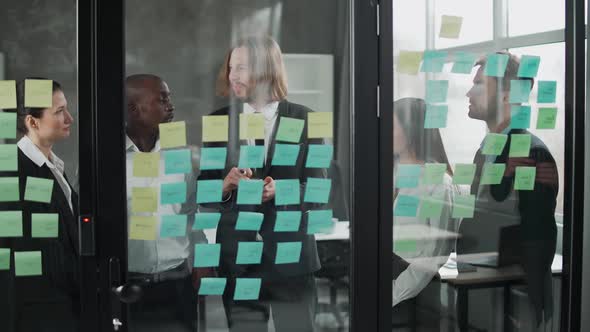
x,y
173,225
433,61
250,191
407,175
206,220
319,156
213,158
209,191
319,221
529,66
249,253
436,91
436,116
247,289
212,286
249,221
287,221
207,255
519,91
520,117
177,161
464,62
547,92
406,206
288,252
496,65
287,192
251,156
317,190
173,193
285,154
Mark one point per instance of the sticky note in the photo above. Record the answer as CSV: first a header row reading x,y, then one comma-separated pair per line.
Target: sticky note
x,y
288,252
250,191
9,190
252,126
44,225
436,116
464,174
172,134
11,224
436,91
290,129
319,156
178,161
319,221
247,289
434,61
408,62
173,193
7,125
408,175
524,178
434,173
520,145
404,246
287,192
38,93
27,263
173,225
406,206
519,91
8,157
520,117
38,189
215,128
496,65
4,259
450,26
431,207
287,221
213,158
494,144
317,190
207,255
8,94
249,253
206,220
146,165
546,118
463,206
320,125
143,228
249,221
212,286
546,92
464,62
144,199
209,191
492,173
529,66
285,154
251,156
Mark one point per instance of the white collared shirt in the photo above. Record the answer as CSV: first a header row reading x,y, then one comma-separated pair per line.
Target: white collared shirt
x,y
270,118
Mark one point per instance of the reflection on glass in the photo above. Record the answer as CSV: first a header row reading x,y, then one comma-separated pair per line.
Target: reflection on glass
x,y
526,16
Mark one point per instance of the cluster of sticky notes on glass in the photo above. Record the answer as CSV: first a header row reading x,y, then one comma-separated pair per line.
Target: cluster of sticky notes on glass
x,y
212,286
27,263
9,190
520,116
11,223
492,173
529,66
285,154
249,221
287,192
463,206
319,221
434,173
8,157
464,174
143,228
290,129
213,158
524,178
4,259
207,255
173,225
408,62
288,252
434,61
38,189
317,190
44,225
206,220
250,191
450,26
8,94
437,91
215,128
406,206
172,134
431,206
249,252
173,193
177,161
209,191
408,175
520,145
146,164
320,125
547,118
144,199
494,144
496,65
251,156
547,92
520,91
7,125
247,289
436,116
251,126
464,62
288,221
38,93
319,156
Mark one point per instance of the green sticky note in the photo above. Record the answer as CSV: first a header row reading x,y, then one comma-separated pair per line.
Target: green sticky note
x,y
8,157
4,259
288,252
9,191
206,220
464,174
251,156
434,173
249,253
250,191
408,62
431,207
27,263
494,144
436,91
178,161
434,61
212,286
406,206
287,221
520,91
319,156
407,176
7,125
45,225
38,93
249,221
173,193
213,158
247,289
492,173
520,117
436,116
319,221
464,62
144,199
207,255
8,94
463,206
496,65
287,192
450,26
546,118
529,66
172,134
38,189
520,145
146,164
547,92
285,154
525,178
215,128
317,190
209,191
173,225
404,246
290,129
11,224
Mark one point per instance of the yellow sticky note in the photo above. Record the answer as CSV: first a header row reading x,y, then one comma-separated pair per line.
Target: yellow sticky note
x,y
251,126
146,165
215,128
320,125
38,93
408,62
7,94
143,228
450,26
144,199
172,134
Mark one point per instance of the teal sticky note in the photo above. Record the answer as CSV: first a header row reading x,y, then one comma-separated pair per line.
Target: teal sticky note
x,y
433,61
492,173
213,158
288,252
209,191
290,129
317,190
4,259
173,193
547,91
287,192
250,191
524,178
407,175
546,118
247,289
463,206
251,156
177,161
464,62
529,66
38,189
11,224
406,206
287,221
496,65
520,91
249,253
464,174
319,156
431,206
494,144
206,220
434,173
44,225
207,255
8,157
285,154
9,191
520,116
249,221
319,221
173,225
436,116
7,124
27,263
436,91
520,145
212,286
405,246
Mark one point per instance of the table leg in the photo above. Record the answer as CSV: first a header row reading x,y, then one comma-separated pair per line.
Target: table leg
x,y
202,314
463,309
507,323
